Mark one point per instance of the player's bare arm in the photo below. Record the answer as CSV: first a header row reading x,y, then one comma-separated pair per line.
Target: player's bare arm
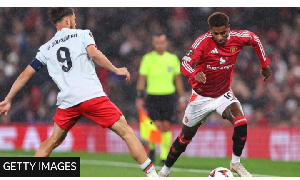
x,y
16,87
102,61
266,72
200,77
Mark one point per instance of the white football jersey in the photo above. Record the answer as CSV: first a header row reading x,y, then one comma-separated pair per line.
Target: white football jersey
x,y
70,67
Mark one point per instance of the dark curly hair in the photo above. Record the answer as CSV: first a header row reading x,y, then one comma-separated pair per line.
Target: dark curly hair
x,y
218,19
58,13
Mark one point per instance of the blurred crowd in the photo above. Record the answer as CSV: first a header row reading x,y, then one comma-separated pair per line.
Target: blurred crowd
x,y
124,36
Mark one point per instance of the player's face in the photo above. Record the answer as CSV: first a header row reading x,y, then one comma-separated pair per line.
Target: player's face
x,y
160,43
72,22
220,34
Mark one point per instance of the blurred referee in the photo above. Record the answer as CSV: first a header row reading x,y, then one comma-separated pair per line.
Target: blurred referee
x,y
160,69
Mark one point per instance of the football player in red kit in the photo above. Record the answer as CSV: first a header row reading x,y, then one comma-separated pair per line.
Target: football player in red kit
x,y
215,54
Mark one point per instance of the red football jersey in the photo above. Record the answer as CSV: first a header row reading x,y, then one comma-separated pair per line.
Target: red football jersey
x,y
218,62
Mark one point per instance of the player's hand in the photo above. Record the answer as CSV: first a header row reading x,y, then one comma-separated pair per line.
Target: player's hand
x,y
5,107
140,102
123,71
200,77
266,72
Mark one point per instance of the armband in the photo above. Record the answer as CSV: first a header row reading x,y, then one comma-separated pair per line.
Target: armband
x,y
141,94
36,64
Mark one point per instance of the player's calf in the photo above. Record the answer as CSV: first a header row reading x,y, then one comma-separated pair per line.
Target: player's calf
x,y
239,136
178,147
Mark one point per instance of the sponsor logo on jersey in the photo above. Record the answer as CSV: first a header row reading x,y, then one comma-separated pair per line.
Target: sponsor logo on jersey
x,y
233,49
190,52
214,51
169,69
219,68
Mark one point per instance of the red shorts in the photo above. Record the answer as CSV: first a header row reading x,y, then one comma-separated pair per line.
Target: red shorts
x,y
100,109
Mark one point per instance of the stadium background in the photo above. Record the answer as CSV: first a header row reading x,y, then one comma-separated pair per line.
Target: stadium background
x,y
124,36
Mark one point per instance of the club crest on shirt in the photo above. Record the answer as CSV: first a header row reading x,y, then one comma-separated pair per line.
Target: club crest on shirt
x,y
169,69
190,52
233,49
186,120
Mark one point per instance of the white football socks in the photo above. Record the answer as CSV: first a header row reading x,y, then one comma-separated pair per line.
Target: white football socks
x,y
235,158
148,168
165,170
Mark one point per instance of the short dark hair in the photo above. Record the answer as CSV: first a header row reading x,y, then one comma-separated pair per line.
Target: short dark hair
x,y
58,13
218,19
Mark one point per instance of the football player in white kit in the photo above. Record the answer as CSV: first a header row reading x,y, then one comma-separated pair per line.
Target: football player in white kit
x,y
69,57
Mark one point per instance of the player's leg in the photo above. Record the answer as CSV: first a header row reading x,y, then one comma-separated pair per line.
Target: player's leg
x,y
196,113
56,138
178,147
108,115
135,147
236,116
231,110
64,120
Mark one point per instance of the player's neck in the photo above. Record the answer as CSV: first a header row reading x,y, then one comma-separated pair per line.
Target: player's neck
x,y
60,27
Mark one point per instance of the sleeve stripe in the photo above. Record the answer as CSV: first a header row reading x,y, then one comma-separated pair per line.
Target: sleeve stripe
x,y
200,39
91,45
260,47
187,67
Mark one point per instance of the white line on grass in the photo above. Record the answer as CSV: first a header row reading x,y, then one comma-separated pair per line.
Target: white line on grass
x,y
126,164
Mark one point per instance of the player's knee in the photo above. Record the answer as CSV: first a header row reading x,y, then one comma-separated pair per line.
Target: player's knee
x,y
184,140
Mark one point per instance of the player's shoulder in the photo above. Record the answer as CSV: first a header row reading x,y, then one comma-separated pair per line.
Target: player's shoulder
x,y
240,33
46,46
203,38
80,31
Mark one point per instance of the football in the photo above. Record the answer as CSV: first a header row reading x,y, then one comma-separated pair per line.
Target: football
x,y
220,172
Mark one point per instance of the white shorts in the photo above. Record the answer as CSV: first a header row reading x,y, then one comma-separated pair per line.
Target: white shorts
x,y
200,107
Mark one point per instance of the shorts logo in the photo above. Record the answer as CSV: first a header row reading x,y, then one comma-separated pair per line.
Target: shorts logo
x,y
186,120
233,49
190,52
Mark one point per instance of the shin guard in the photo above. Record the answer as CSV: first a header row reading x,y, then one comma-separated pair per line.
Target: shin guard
x,y
239,136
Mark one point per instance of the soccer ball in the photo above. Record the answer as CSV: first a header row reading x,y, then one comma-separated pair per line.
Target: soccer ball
x,y
220,172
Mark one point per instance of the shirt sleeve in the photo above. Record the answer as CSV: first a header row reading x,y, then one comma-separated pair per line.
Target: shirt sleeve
x,y
143,67
254,41
191,56
41,57
87,38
